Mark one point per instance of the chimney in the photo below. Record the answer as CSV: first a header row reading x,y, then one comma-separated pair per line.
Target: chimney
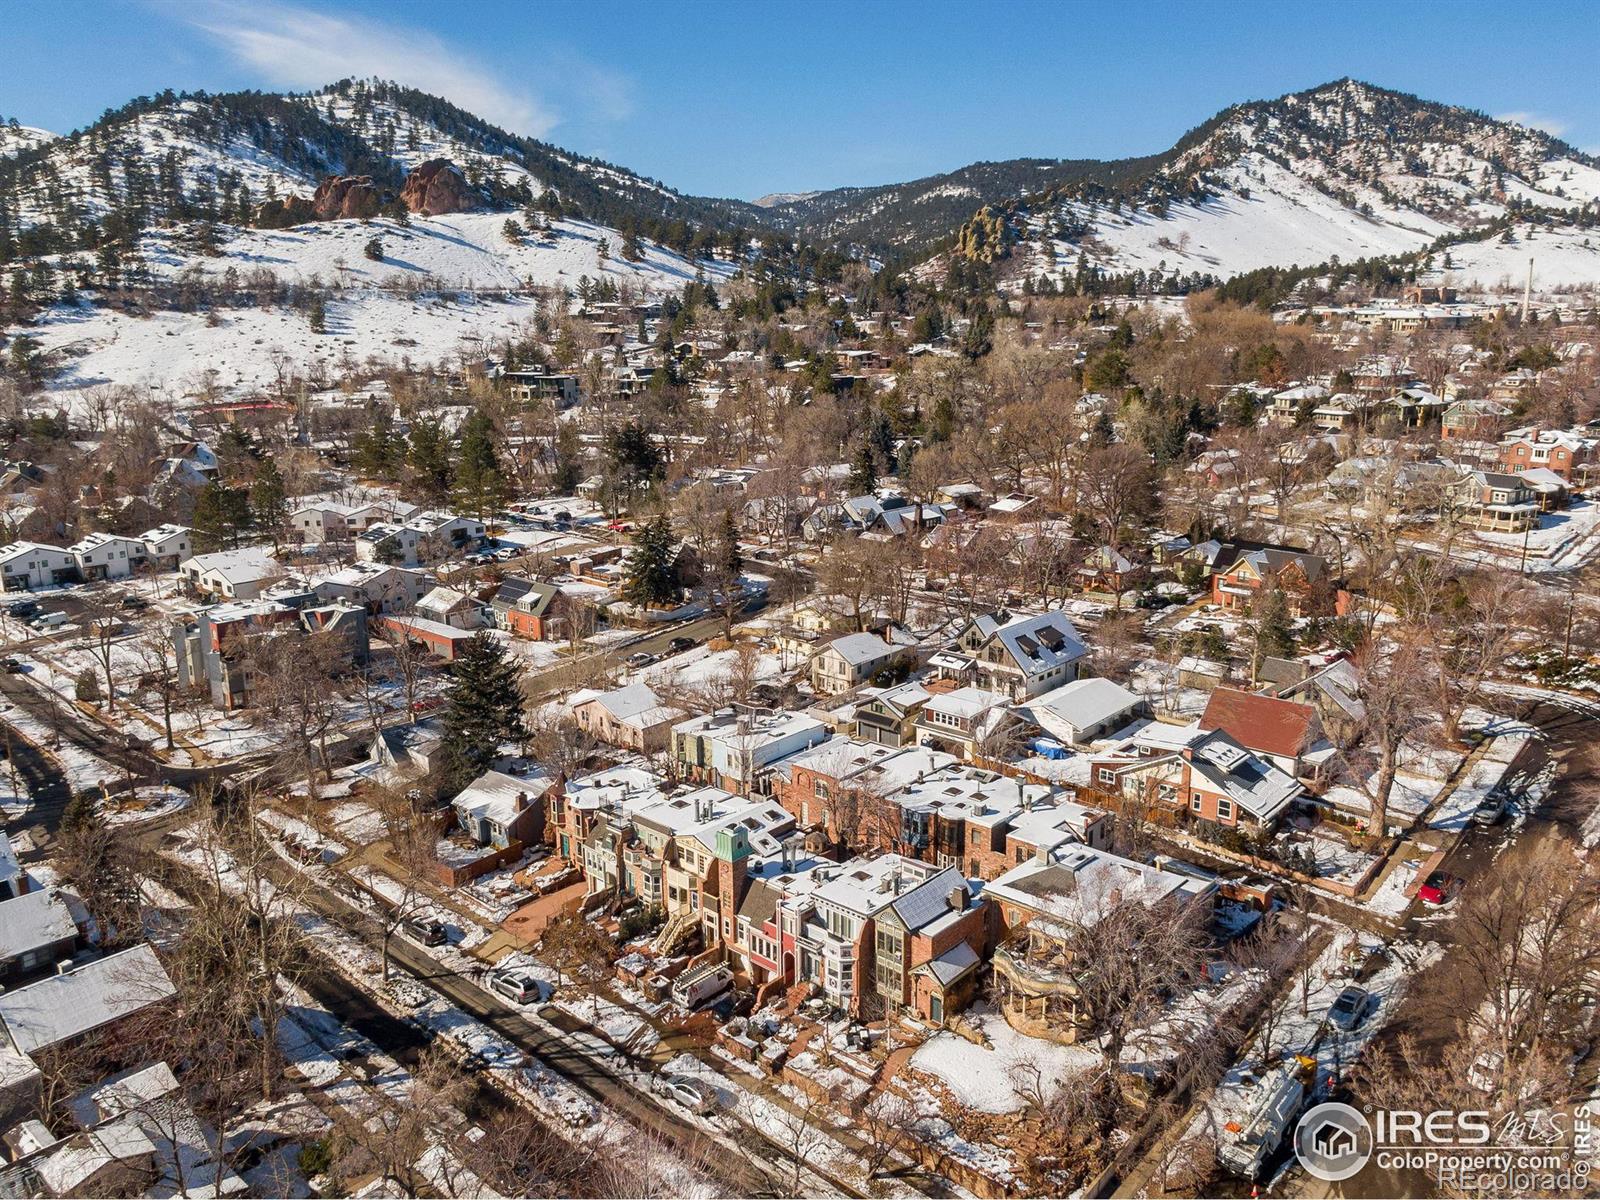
x,y
1041,854
958,898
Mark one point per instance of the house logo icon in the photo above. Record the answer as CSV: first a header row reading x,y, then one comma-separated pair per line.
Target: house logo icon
x,y
1333,1141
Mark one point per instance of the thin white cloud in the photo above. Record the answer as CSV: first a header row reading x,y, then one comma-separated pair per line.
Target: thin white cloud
x,y
295,47
1550,125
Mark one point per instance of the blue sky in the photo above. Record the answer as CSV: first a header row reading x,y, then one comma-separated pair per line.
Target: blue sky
x,y
740,99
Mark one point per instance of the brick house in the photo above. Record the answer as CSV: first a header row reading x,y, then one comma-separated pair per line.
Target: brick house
x,y
1556,450
1248,571
1211,778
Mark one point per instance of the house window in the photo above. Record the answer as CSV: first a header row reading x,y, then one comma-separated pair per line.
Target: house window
x,y
1224,809
1107,775
820,789
1196,801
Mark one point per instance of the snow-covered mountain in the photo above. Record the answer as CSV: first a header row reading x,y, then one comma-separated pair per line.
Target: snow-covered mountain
x,y
1346,170
184,202
14,139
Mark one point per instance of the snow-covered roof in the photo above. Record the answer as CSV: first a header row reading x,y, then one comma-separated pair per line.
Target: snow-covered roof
x,y
83,999
494,795
34,920
1080,885
1082,704
245,565
859,649
636,703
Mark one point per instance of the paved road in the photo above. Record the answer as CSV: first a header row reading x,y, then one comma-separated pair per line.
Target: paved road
x,y
46,784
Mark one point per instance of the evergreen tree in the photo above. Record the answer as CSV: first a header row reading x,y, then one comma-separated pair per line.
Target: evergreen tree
x,y
428,455
863,472
221,513
481,487
269,501
652,573
378,451
568,472
729,560
317,315
1272,626
482,710
374,249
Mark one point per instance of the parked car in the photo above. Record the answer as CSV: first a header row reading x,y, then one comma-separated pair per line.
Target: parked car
x,y
641,659
425,930
700,984
1439,888
49,620
1350,1009
22,609
517,986
694,1095
679,644
14,666
1491,809
135,603
426,704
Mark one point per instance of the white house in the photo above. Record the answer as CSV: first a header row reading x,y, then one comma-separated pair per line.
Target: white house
x,y
168,545
25,565
450,607
107,555
376,587
1085,709
231,574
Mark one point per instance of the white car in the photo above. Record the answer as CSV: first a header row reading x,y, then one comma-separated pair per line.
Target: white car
x,y
694,1095
519,987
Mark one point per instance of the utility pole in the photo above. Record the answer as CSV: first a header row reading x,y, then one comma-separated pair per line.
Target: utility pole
x,y
1527,294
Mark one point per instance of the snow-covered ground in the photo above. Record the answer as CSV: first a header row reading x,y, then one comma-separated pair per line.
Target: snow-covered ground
x,y
446,285
986,1078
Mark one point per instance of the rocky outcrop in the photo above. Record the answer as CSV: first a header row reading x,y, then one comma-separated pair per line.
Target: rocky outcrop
x,y
280,214
435,187
350,197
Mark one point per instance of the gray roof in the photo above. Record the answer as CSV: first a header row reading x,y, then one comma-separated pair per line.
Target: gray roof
x,y
81,1000
1083,703
34,920
858,649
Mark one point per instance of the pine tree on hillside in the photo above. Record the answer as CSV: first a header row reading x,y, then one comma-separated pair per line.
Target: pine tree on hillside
x,y
483,710
481,487
652,572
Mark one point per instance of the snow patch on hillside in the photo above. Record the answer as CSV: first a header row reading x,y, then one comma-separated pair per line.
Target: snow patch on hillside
x,y
448,286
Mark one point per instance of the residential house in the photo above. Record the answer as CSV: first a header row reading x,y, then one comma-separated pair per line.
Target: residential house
x,y
849,661
1085,710
376,587
447,606
422,539
630,718
1473,420
1286,733
1019,654
1211,777
107,556
1335,693
501,809
38,929
529,608
166,546
888,716
92,997
230,574
736,747
1288,404
28,565
214,650
889,934
1557,450
531,386
1496,502
1042,902
1246,570
968,722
